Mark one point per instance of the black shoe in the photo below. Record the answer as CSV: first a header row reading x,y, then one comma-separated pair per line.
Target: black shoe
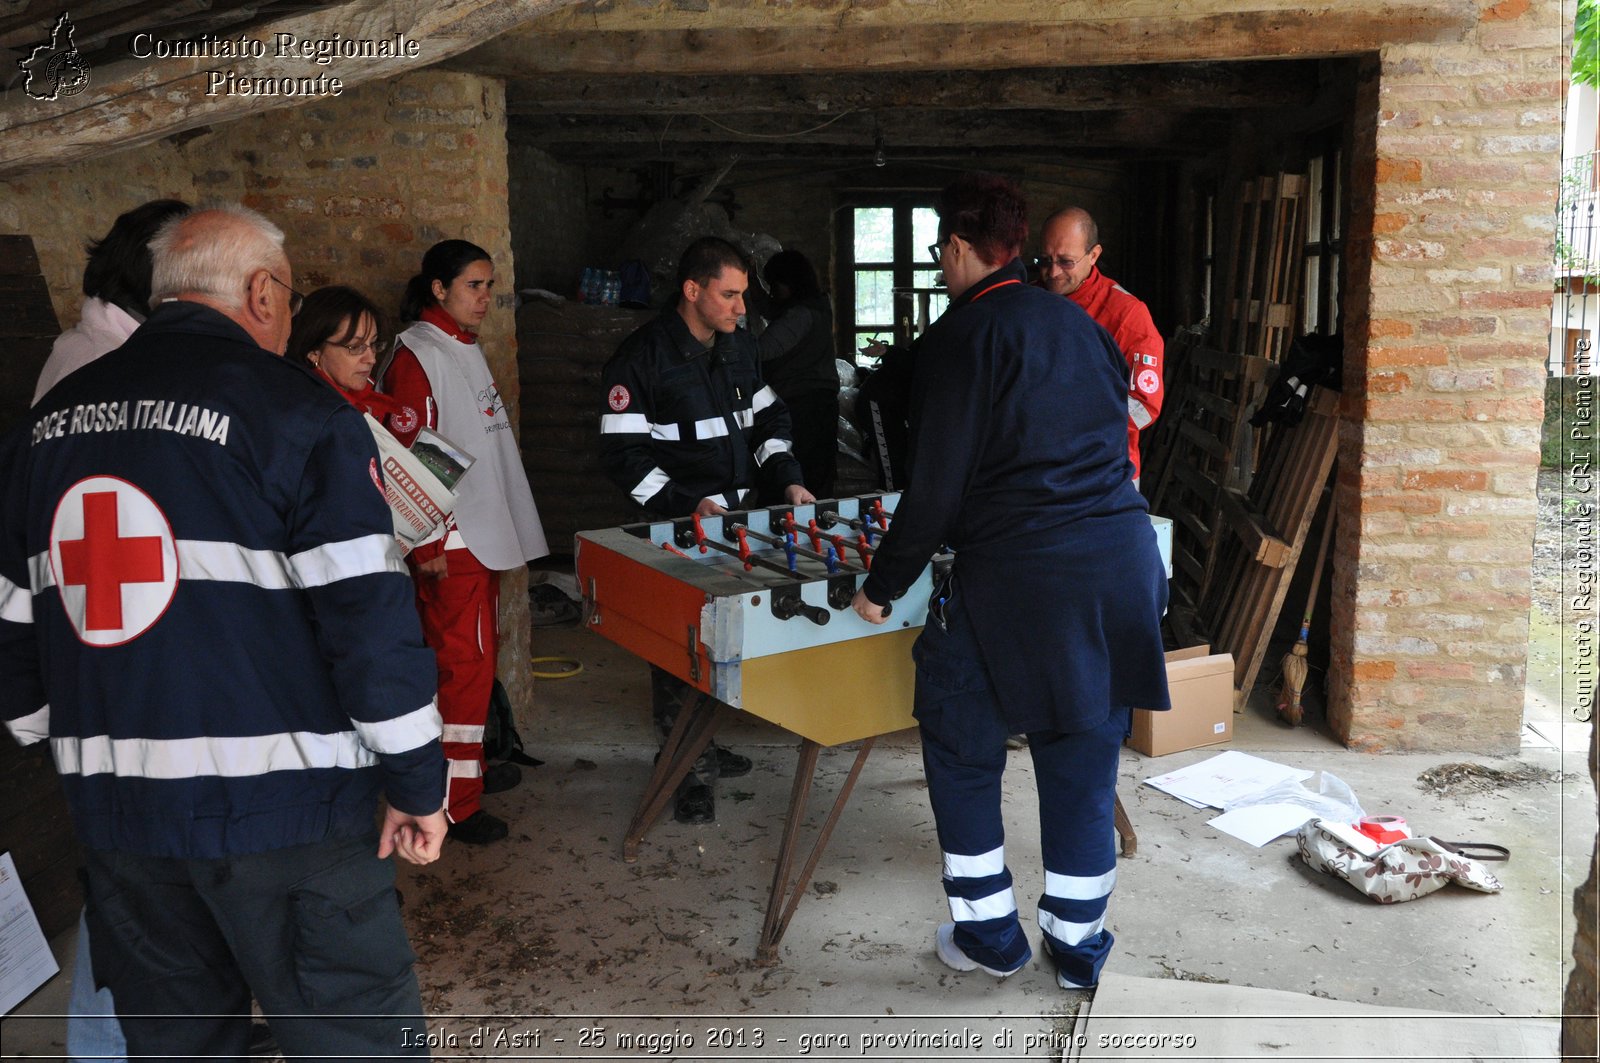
x,y
480,828
501,777
731,765
696,803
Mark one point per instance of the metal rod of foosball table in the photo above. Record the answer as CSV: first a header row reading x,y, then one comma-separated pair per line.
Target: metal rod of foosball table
x,y
752,559
830,518
774,540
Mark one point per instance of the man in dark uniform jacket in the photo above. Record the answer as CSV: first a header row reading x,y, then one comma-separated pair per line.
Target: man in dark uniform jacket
x,y
203,609
688,426
1049,624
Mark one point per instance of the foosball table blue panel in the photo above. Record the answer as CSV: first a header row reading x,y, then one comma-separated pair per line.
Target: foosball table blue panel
x,y
777,638
762,622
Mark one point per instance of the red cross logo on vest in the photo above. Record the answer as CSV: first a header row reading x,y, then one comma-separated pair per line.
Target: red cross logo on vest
x,y
113,559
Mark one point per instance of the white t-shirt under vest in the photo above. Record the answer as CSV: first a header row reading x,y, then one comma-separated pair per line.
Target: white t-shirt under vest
x,y
495,513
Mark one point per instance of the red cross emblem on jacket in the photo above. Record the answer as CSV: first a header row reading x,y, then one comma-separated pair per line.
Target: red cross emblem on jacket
x,y
113,560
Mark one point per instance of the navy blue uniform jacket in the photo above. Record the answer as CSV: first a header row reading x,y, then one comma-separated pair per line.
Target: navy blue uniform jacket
x,y
202,606
681,422
1020,465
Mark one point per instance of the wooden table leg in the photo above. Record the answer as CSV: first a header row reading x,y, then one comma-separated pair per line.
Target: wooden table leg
x,y
784,896
1130,840
698,721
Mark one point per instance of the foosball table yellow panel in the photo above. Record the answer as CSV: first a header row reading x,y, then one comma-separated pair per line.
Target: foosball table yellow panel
x,y
768,630
868,681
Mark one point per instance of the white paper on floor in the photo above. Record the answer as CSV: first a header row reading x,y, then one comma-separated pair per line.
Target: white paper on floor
x,y
1260,824
1224,779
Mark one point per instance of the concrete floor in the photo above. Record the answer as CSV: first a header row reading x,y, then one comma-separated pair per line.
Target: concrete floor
x,y
551,935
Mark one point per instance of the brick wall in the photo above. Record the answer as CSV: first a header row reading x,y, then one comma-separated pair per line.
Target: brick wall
x,y
548,220
1454,175
362,185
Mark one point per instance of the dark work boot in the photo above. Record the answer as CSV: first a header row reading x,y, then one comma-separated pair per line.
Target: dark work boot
x,y
696,802
731,765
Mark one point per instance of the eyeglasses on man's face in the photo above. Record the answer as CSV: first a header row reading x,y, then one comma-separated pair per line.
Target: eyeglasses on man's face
x,y
296,300
1060,262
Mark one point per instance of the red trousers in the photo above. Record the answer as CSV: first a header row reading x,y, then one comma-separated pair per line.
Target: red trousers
x,y
460,619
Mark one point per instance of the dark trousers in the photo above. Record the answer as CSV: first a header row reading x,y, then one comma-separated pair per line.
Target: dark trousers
x,y
312,931
814,420
666,701
964,755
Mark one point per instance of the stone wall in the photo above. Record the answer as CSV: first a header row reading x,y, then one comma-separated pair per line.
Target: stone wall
x,y
1453,176
362,185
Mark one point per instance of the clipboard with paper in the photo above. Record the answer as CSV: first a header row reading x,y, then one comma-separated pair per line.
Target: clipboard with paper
x,y
420,482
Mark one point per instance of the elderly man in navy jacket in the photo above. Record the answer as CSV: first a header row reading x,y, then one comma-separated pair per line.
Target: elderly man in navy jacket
x,y
203,610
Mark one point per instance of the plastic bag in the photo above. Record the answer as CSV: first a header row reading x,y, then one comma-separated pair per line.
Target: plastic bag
x,y
1331,800
849,376
850,440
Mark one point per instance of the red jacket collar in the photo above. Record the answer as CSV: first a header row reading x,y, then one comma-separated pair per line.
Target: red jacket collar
x,y
368,399
436,316
1090,287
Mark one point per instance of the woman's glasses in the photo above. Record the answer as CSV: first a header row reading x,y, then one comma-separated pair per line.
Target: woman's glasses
x,y
377,347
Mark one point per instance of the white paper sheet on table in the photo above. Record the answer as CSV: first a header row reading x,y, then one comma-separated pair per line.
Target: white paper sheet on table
x,y
1224,779
26,962
1260,824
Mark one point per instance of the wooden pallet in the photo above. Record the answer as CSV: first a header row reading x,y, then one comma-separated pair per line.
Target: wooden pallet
x,y
1219,390
1260,309
1263,532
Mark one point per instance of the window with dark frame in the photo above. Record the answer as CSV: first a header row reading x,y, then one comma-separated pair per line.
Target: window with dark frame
x,y
1324,240
889,287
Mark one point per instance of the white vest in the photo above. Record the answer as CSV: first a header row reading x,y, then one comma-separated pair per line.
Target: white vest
x,y
495,513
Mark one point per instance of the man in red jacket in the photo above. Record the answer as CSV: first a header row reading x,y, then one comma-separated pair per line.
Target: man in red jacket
x,y
1070,247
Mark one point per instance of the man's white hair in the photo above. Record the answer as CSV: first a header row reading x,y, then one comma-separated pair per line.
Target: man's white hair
x,y
213,252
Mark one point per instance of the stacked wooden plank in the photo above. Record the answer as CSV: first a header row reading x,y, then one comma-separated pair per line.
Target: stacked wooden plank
x,y
1263,534
1241,501
1261,300
561,349
1215,395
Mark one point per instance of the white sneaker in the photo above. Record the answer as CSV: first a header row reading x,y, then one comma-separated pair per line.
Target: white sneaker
x,y
951,956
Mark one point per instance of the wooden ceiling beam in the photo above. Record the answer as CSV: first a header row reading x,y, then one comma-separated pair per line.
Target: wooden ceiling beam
x,y
815,157
1192,86
136,101
1338,29
903,131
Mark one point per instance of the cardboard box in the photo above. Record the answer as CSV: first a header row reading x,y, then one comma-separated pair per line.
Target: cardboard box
x,y
1201,686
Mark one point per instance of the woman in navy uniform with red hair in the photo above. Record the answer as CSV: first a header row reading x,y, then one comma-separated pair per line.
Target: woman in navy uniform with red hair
x,y
1049,622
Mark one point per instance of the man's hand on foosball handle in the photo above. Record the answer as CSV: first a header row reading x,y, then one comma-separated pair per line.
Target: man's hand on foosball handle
x,y
867,609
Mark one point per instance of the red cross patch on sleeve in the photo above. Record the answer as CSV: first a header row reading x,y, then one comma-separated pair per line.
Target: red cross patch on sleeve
x,y
618,398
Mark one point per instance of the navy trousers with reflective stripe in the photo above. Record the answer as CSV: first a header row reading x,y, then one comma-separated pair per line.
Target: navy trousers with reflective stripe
x,y
964,755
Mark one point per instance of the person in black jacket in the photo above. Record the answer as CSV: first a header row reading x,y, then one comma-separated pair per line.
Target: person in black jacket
x,y
797,360
688,426
1049,622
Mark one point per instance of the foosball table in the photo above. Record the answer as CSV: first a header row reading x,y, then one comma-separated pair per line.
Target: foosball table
x,y
753,609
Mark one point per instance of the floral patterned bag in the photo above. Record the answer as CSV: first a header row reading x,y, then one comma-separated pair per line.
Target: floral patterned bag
x,y
1401,871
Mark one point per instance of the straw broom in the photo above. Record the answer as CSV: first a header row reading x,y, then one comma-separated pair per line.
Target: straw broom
x,y
1295,667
